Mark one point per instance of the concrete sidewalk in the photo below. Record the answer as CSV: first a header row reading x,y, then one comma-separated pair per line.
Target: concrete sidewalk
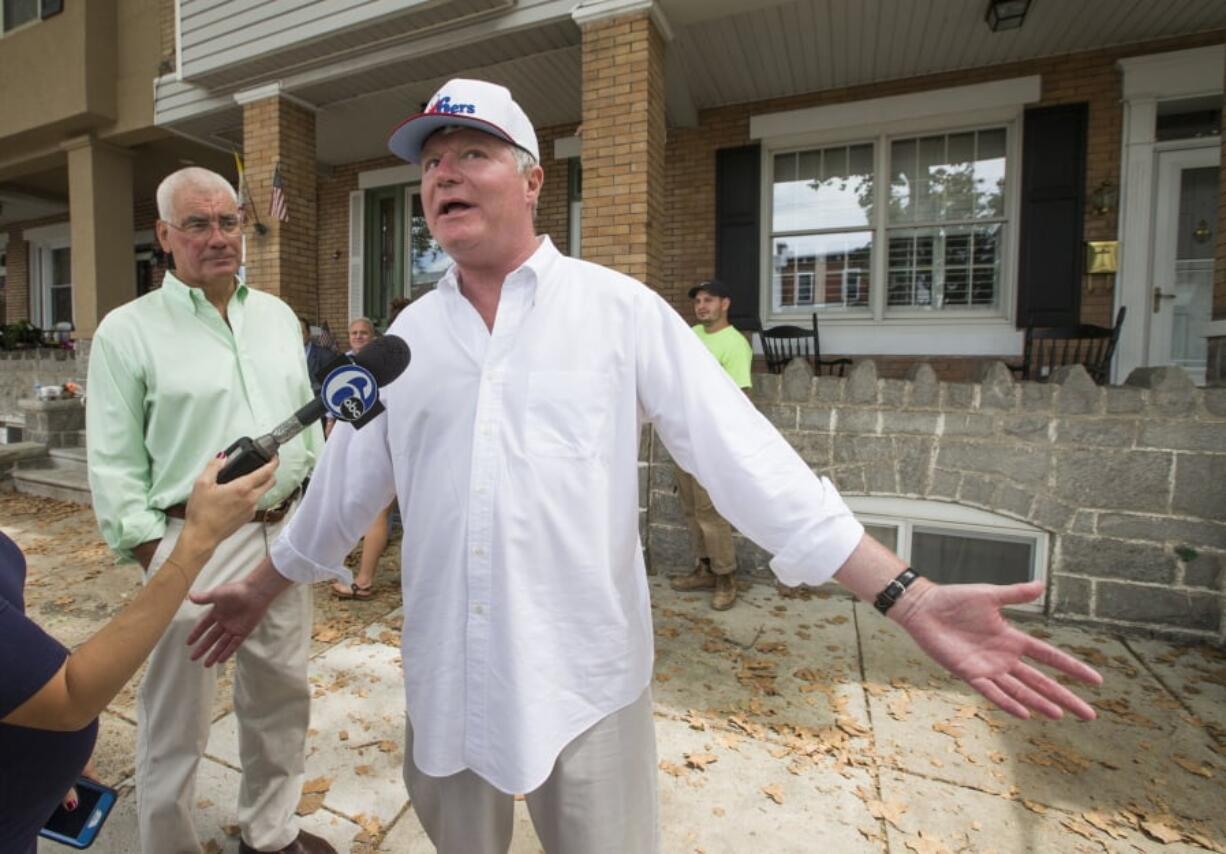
x,y
788,724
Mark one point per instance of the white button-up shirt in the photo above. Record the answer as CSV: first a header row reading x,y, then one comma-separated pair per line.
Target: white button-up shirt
x,y
514,457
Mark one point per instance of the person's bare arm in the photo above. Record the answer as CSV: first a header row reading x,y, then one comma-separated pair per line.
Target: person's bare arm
x,y
91,677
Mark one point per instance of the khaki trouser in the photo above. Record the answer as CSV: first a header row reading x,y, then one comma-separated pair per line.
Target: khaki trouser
x,y
599,799
710,535
271,702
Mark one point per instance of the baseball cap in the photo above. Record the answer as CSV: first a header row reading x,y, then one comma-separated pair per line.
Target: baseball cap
x,y
477,104
714,287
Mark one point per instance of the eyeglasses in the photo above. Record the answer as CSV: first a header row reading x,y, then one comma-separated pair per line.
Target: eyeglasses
x,y
198,226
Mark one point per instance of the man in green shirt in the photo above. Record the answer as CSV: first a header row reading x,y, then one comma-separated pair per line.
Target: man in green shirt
x,y
710,535
175,377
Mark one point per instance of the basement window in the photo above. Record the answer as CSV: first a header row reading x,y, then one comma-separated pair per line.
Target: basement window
x,y
952,544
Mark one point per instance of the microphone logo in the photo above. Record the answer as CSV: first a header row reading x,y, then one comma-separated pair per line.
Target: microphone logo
x,y
349,392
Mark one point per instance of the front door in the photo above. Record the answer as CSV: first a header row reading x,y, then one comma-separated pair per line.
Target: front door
x,y
1180,301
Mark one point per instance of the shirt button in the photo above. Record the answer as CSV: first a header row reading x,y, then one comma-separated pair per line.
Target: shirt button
x,y
478,610
481,490
478,551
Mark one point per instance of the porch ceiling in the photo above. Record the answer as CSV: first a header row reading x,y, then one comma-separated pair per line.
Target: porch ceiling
x,y
811,45
723,52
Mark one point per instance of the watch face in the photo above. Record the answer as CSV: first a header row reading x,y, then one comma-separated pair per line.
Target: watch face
x,y
349,392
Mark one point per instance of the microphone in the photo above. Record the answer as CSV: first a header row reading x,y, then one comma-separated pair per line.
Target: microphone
x,y
350,392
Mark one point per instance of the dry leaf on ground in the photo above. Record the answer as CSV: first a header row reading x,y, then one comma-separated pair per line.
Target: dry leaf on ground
x,y
773,792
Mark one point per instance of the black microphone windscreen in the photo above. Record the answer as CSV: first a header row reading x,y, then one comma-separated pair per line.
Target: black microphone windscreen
x,y
385,357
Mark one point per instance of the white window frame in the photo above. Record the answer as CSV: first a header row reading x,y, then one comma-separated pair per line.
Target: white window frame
x,y
43,240
905,514
38,17
972,332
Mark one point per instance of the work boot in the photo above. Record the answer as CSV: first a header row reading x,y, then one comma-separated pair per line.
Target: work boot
x,y
725,592
701,578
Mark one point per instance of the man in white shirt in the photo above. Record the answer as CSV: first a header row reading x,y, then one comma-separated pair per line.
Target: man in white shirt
x,y
512,443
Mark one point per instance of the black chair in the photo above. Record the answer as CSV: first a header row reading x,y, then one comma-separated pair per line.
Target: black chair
x,y
1049,347
782,344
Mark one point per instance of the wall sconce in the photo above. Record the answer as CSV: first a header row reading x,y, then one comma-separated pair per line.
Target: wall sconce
x,y
1202,232
1104,198
1006,14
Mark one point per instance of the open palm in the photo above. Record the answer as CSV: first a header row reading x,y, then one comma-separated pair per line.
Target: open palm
x,y
960,626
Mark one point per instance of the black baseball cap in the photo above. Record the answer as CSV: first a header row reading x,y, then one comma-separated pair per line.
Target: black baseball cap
x,y
714,287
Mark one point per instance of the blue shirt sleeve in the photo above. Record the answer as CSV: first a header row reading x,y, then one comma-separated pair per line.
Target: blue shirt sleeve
x,y
29,657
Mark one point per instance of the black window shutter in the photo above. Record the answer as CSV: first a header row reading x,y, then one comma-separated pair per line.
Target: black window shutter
x,y
737,249
1053,201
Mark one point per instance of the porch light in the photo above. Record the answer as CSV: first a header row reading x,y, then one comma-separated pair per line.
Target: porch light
x,y
1104,198
1006,14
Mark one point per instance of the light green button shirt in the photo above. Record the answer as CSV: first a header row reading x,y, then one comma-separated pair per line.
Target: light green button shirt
x,y
171,384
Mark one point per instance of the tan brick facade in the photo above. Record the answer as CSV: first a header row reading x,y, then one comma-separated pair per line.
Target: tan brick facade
x,y
282,261
624,138
679,219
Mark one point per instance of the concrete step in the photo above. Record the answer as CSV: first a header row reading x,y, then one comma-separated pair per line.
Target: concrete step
x,y
69,459
61,484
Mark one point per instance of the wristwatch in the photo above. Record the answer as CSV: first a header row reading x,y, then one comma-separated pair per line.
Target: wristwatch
x,y
894,590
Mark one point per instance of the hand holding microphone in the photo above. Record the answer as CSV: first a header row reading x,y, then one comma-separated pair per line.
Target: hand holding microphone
x,y
350,392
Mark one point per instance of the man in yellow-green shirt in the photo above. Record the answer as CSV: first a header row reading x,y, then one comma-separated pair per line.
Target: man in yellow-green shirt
x,y
710,535
175,377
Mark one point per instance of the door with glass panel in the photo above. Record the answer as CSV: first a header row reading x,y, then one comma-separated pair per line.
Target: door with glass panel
x,y
1185,226
427,260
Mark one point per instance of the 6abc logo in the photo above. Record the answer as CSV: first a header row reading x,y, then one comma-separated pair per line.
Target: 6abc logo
x,y
349,392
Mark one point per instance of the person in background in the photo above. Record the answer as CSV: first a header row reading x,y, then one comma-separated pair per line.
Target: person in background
x,y
710,535
374,541
50,699
317,357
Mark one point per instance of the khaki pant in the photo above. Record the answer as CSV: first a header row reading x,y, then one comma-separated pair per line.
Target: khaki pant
x,y
271,702
599,799
710,535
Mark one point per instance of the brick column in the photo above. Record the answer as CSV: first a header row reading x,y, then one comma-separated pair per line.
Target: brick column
x,y
100,209
624,136
281,261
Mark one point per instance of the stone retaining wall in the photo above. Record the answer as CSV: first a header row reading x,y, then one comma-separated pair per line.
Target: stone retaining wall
x,y
1130,481
21,369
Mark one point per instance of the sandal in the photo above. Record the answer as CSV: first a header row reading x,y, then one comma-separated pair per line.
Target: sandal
x,y
355,591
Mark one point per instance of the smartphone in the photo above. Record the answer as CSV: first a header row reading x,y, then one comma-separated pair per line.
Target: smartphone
x,y
79,828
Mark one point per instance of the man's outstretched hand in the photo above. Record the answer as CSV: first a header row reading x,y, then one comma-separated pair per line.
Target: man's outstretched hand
x,y
960,626
237,609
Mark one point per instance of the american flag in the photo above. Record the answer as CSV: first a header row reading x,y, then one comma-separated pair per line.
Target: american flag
x,y
276,206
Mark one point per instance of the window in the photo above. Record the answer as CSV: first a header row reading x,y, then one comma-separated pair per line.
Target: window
x,y
574,208
821,233
59,286
953,544
899,225
15,13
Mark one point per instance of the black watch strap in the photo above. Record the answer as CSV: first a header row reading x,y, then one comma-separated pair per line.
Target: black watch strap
x,y
893,591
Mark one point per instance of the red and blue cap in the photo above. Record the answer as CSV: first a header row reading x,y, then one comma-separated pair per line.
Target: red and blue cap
x,y
477,104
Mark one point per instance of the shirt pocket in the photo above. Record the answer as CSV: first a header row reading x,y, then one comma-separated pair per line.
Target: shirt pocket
x,y
567,413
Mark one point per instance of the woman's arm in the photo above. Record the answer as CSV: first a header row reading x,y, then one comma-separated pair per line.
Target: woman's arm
x,y
92,676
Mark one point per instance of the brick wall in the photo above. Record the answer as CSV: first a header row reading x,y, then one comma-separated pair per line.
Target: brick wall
x,y
1129,481
166,29
283,260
